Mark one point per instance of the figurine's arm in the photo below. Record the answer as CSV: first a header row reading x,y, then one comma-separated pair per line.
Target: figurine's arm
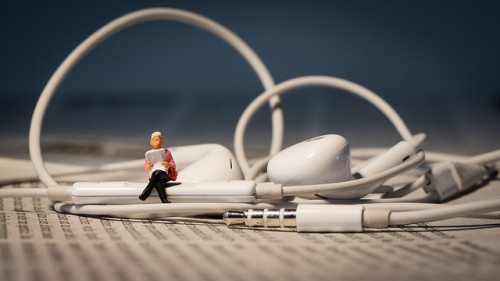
x,y
147,166
169,160
172,172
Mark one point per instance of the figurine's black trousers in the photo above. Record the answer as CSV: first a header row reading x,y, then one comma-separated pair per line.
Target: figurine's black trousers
x,y
158,180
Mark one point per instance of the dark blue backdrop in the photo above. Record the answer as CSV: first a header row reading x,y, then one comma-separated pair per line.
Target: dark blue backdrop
x,y
429,52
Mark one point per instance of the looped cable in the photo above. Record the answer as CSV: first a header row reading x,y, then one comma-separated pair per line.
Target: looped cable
x,y
126,21
306,81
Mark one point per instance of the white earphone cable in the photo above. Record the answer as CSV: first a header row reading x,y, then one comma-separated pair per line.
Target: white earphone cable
x,y
449,211
271,95
306,81
162,210
121,23
359,186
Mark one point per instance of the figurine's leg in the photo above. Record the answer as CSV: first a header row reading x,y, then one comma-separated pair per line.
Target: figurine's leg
x,y
160,187
147,191
152,184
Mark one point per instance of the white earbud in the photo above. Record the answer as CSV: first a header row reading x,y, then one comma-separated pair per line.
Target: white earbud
x,y
326,160
323,159
205,162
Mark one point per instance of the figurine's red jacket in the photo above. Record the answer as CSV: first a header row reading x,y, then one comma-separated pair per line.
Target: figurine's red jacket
x,y
169,159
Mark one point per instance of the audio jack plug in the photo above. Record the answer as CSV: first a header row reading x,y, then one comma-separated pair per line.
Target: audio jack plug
x,y
306,218
284,218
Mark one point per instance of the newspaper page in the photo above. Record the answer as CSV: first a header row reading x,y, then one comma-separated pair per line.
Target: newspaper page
x,y
38,243
156,156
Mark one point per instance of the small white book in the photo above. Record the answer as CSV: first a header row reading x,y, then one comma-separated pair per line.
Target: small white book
x,y
156,156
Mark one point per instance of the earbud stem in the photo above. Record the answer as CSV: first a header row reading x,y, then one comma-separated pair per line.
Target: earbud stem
x,y
396,155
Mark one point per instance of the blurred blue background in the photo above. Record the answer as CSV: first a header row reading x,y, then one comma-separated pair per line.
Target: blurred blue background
x,y
436,62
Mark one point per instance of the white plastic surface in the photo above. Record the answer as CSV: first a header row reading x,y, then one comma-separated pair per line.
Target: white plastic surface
x,y
329,218
449,178
323,159
205,162
128,193
446,180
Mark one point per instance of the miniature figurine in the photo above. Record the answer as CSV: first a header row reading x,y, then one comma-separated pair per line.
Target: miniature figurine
x,y
161,168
